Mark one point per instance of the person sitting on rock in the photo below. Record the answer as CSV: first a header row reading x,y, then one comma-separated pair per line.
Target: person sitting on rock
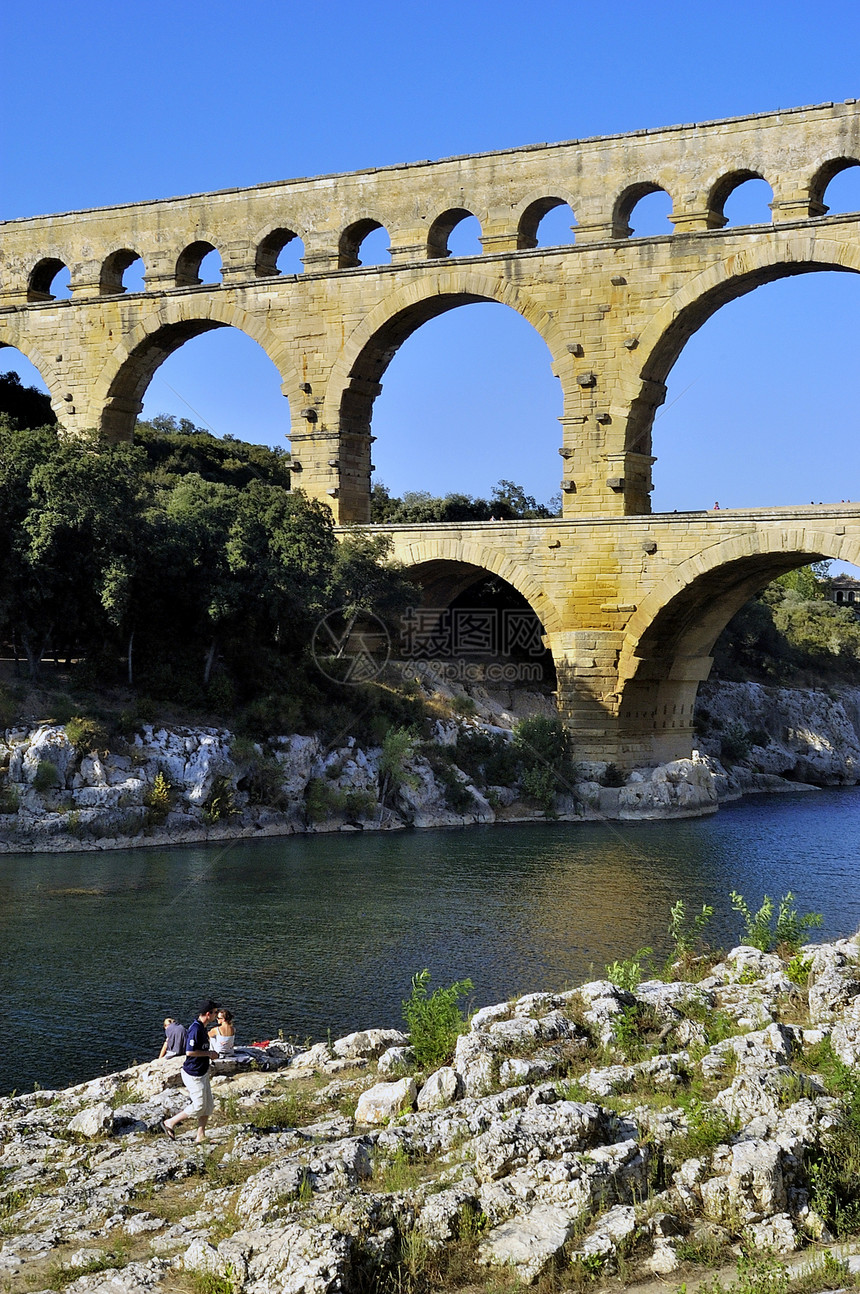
x,y
174,1042
222,1038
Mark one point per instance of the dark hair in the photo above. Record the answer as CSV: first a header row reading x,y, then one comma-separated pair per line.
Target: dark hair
x,y
228,1015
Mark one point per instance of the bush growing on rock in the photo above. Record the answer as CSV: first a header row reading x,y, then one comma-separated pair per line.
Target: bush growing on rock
x,y
158,798
46,777
543,745
790,928
87,735
435,1021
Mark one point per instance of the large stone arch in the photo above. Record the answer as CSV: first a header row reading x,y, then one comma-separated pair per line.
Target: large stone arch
x,y
670,328
682,617
117,392
666,650
437,557
354,381
48,371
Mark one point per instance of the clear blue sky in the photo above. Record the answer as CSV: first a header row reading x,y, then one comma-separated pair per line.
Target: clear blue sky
x,y
101,103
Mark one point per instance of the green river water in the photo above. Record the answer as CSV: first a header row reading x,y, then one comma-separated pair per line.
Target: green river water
x,y
311,934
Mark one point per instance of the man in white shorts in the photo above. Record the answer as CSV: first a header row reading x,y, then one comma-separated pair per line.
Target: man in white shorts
x,y
195,1074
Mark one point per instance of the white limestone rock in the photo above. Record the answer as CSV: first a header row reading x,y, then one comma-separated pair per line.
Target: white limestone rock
x,y
48,744
538,1132
476,1060
92,1121
396,1059
834,979
384,1101
290,1257
845,1035
530,1242
441,1089
296,756
776,1234
753,1187
367,1044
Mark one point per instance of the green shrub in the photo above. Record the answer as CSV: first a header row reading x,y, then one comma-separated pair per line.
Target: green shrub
x,y
798,969
458,797
735,743
9,799
685,932
834,1169
220,805
87,735
613,776
628,973
46,777
543,745
263,779
290,1111
707,1127
157,798
541,784
203,1282
435,1022
635,1030
463,706
762,932
322,800
487,757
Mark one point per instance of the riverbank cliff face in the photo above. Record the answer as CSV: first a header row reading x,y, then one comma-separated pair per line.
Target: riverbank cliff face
x,y
181,785
586,1132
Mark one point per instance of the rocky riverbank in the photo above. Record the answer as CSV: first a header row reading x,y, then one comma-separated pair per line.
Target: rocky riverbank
x,y
174,785
601,1130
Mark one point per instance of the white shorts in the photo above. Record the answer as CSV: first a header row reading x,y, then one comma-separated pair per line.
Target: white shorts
x,y
200,1091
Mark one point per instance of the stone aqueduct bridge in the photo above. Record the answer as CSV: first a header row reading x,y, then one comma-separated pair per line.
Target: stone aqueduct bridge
x,y
631,606
630,625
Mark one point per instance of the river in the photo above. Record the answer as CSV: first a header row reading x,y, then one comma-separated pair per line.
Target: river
x,y
307,934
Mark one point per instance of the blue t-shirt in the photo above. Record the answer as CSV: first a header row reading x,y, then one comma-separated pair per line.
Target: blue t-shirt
x,y
175,1040
197,1040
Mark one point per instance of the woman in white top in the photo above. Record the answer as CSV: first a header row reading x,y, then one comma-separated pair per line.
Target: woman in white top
x,y
222,1038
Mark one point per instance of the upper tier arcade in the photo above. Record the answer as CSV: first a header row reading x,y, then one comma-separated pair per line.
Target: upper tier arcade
x,y
615,311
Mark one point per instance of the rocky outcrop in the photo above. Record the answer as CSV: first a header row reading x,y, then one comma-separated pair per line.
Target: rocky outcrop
x,y
329,1177
190,784
804,735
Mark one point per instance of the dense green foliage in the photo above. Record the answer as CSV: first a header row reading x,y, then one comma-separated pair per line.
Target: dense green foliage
x,y
507,502
26,405
544,747
791,633
180,566
763,932
434,1019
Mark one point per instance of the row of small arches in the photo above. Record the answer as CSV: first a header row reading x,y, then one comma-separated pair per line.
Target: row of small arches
x,y
546,222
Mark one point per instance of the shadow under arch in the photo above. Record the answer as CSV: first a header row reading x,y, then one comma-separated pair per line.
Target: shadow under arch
x,y
119,390
476,625
445,567
355,379
691,307
669,639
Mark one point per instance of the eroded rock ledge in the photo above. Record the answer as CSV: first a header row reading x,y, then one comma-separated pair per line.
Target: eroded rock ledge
x,y
58,798
580,1128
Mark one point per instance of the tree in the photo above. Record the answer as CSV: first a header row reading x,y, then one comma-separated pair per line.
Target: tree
x,y
27,406
74,543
